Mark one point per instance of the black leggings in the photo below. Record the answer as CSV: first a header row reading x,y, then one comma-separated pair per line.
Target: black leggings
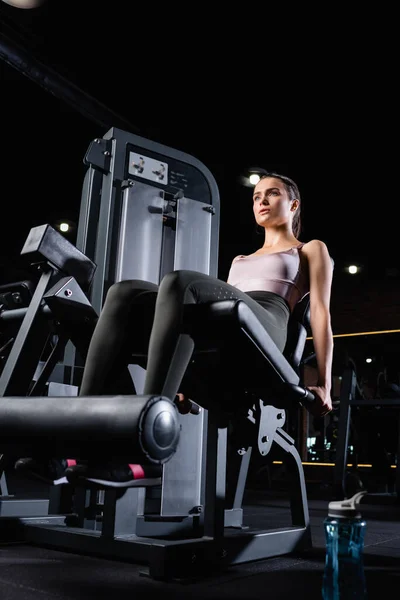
x,y
141,317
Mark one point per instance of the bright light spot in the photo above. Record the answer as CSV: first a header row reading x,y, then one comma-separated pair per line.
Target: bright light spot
x,y
64,227
368,360
254,179
353,269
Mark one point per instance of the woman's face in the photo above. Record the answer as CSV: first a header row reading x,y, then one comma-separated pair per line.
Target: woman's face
x,y
272,206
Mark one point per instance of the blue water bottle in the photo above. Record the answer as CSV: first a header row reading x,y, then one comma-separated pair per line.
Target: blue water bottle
x,y
344,526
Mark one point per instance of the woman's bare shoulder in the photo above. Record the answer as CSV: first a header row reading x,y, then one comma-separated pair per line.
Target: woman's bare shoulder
x,y
238,257
315,247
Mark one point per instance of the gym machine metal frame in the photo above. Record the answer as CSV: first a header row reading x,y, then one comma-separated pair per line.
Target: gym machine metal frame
x,y
182,527
348,400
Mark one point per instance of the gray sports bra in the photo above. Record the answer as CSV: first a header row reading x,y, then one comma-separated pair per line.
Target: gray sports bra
x,y
279,272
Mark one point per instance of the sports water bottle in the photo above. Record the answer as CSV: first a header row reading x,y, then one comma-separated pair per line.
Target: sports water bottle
x,y
344,526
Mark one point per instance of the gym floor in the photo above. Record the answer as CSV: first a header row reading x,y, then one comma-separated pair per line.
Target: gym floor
x,y
29,572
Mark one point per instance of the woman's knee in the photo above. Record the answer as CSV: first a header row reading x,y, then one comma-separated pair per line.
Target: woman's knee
x,y
122,294
119,292
176,282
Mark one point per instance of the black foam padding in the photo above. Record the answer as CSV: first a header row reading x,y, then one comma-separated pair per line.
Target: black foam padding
x,y
45,243
134,428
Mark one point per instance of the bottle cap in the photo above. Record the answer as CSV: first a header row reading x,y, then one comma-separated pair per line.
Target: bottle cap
x,y
348,508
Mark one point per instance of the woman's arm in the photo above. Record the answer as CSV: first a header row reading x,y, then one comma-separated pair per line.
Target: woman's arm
x,y
320,273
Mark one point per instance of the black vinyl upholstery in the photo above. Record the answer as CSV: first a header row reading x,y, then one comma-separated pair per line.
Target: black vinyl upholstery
x,y
249,357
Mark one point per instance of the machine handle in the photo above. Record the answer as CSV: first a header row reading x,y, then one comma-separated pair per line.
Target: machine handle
x,y
303,394
308,396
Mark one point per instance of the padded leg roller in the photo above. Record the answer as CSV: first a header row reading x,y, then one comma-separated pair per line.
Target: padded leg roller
x,y
135,429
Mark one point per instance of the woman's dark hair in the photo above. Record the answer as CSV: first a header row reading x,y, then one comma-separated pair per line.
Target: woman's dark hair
x,y
294,194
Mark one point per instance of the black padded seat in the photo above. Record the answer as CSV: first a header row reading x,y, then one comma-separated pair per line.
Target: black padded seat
x,y
247,351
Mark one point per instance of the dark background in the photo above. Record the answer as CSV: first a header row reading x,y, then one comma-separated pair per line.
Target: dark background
x,y
315,101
